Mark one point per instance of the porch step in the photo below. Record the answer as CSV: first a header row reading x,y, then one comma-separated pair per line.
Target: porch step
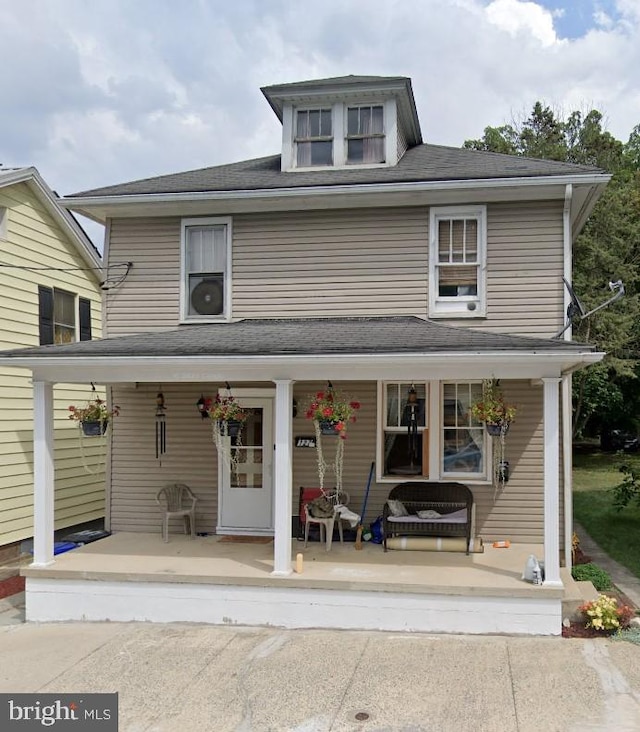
x,y
576,594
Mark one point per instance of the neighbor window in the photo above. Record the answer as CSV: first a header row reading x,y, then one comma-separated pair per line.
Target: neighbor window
x,y
313,137
3,222
365,135
456,262
463,442
206,268
404,427
59,311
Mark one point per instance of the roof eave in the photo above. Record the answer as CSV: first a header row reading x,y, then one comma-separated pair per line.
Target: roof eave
x,y
460,365
91,206
57,209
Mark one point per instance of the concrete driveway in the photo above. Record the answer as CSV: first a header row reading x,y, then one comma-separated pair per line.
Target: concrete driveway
x,y
196,677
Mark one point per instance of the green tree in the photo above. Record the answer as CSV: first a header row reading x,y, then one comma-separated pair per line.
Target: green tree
x,y
607,250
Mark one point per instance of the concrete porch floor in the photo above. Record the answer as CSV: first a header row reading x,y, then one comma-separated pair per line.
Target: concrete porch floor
x,y
136,557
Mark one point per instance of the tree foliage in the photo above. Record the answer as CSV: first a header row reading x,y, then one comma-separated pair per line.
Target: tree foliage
x,y
607,250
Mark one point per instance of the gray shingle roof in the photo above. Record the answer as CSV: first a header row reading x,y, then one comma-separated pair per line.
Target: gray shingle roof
x,y
420,163
335,81
305,336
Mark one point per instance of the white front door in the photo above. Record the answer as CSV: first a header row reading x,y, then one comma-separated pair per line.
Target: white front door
x,y
245,500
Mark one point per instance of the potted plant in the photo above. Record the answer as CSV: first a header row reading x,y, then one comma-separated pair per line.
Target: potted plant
x,y
492,409
227,415
332,412
94,417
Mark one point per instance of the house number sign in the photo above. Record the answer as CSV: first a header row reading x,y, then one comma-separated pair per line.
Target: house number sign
x,y
305,441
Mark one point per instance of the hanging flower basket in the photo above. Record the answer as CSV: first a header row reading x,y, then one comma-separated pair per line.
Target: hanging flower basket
x,y
497,429
227,421
331,412
492,409
94,417
94,428
230,427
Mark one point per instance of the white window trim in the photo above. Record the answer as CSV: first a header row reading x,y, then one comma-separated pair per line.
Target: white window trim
x,y
339,131
457,307
435,396
76,313
228,279
483,478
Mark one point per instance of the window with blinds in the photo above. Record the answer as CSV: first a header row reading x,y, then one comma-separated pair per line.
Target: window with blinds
x,y
206,278
314,137
457,262
365,135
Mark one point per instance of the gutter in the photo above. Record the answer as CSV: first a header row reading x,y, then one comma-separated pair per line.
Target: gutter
x,y
78,202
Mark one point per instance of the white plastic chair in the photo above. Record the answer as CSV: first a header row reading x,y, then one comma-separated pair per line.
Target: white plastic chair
x,y
326,527
178,501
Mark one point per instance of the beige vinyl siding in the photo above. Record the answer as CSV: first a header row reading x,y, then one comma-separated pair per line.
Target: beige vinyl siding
x,y
35,240
347,262
524,269
516,512
149,297
190,458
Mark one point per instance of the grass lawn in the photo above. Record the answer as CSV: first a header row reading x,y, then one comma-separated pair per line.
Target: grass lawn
x,y
616,532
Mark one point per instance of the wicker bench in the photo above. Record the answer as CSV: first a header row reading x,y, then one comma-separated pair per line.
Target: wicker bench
x,y
447,499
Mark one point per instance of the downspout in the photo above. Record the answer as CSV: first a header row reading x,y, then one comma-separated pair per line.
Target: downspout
x,y
567,431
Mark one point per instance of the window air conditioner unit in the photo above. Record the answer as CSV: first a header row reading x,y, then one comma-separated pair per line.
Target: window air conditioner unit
x,y
206,294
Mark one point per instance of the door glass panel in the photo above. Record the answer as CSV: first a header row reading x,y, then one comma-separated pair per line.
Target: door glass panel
x,y
247,453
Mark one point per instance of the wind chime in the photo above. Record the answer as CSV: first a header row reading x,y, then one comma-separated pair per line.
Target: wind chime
x,y
412,429
161,427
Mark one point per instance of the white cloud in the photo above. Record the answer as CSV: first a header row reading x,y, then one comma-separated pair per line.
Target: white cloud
x,y
523,19
108,91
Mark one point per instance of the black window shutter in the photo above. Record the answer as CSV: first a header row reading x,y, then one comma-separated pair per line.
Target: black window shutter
x,y
84,309
45,313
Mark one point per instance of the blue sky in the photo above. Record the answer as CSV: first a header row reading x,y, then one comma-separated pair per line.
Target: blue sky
x,y
574,18
97,92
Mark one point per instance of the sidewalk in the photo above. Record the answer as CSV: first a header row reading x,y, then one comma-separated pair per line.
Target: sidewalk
x,y
626,582
233,679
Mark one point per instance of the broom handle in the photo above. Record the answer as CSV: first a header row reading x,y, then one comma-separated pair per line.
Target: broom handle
x,y
358,544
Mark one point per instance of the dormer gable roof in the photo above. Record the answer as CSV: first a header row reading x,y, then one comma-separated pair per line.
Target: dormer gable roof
x,y
339,88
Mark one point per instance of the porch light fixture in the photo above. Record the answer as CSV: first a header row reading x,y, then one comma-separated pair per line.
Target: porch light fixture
x,y
202,406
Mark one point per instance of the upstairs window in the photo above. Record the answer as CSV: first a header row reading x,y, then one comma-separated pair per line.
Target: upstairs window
x,y
457,262
206,268
3,222
365,135
314,137
58,313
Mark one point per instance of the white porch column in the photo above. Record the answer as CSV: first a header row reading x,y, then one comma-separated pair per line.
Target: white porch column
x,y
283,476
43,476
551,482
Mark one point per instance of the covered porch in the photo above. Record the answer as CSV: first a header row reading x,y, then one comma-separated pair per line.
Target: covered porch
x,y
131,576
400,590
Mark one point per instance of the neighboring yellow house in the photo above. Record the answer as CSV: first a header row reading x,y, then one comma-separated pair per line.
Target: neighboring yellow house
x,y
50,276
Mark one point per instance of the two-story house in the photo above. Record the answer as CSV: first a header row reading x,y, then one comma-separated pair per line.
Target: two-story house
x,y
359,256
50,276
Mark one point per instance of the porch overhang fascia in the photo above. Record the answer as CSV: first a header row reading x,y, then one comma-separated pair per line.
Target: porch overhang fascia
x,y
417,193
457,365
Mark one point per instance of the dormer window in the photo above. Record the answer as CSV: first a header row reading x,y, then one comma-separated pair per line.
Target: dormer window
x,y
314,139
365,135
345,122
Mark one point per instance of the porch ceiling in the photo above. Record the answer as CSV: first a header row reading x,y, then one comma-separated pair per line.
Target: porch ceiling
x,y
305,348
